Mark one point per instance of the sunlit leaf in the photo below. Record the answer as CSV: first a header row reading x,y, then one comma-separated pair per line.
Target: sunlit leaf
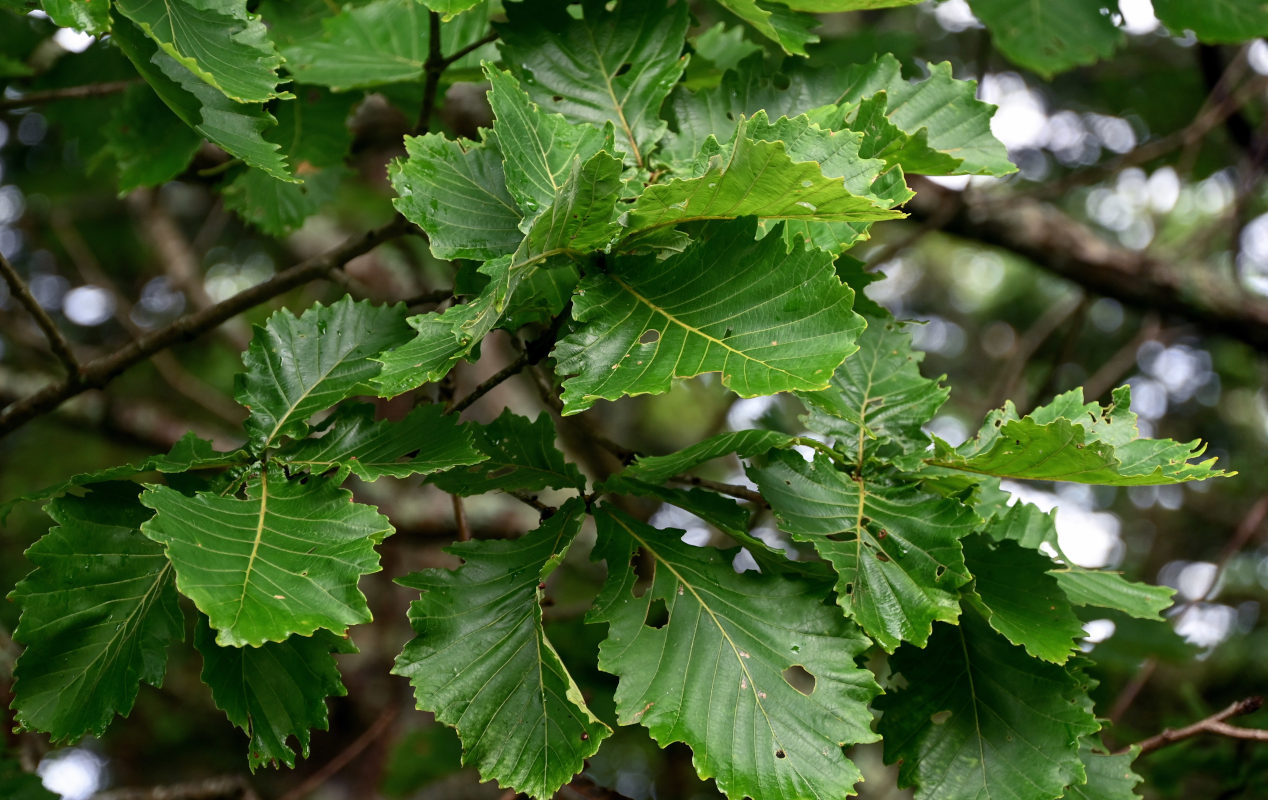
x,y
1050,37
767,319
285,559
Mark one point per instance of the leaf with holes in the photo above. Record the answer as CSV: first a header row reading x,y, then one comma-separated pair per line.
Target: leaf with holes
x,y
610,66
895,549
274,691
521,457
481,660
297,366
765,700
767,319
284,559
98,613
355,443
978,718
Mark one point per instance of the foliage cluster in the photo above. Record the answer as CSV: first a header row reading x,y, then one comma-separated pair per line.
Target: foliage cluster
x,y
649,203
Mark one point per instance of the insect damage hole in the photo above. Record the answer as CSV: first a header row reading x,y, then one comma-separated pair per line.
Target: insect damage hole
x,y
801,680
657,614
649,337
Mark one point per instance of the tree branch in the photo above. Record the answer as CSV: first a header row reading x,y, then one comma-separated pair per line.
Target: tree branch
x,y
57,342
99,372
433,67
1055,242
68,93
1213,724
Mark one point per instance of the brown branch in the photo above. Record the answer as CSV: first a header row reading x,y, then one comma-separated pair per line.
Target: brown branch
x,y
1213,724
491,383
460,518
432,69
99,372
345,756
1056,243
738,492
491,36
57,342
234,787
67,93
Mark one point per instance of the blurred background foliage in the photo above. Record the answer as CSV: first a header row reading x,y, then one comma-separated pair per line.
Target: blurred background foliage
x,y
1156,151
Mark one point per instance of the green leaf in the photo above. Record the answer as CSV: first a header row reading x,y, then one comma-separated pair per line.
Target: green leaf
x,y
755,178
456,192
538,148
235,127
614,66
895,549
582,217
313,128
426,441
1051,37
1025,524
767,319
450,8
216,40
1069,440
482,662
832,6
716,674
1215,21
724,46
368,45
284,559
1013,591
884,140
521,457
778,23
98,612
877,398
297,366
189,453
1094,587
1109,777
280,207
426,358
743,444
148,142
89,16
274,691
978,718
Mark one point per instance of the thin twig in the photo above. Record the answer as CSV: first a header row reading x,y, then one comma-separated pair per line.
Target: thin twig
x,y
57,342
67,93
460,518
490,383
428,298
448,60
432,69
99,372
345,756
231,787
731,490
1213,724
